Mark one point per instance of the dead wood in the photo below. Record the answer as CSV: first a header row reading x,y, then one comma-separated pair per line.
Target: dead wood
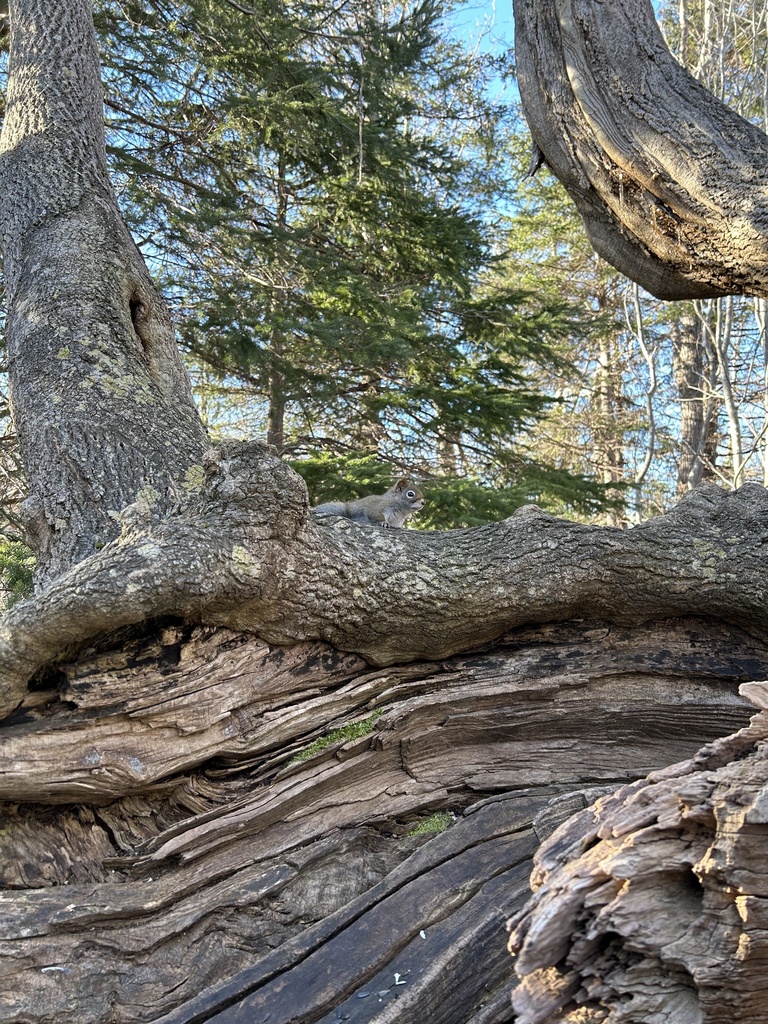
x,y
651,905
172,861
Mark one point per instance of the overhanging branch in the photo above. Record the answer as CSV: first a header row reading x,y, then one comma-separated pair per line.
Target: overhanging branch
x,y
672,185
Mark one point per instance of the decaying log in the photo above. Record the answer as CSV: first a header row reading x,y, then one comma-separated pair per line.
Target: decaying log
x,y
672,185
652,905
173,860
163,855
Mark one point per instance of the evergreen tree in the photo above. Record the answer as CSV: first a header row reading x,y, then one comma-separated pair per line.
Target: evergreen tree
x,y
323,178
324,184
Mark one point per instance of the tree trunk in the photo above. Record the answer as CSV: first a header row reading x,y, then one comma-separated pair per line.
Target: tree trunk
x,y
608,433
650,906
697,403
669,181
277,403
101,401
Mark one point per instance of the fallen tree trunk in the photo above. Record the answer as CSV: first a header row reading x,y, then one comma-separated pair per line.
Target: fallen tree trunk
x,y
175,857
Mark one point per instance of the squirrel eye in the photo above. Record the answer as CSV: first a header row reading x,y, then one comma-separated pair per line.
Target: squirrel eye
x,y
410,494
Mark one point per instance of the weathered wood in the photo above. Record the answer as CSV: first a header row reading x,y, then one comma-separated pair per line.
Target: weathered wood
x,y
652,905
452,891
226,882
138,718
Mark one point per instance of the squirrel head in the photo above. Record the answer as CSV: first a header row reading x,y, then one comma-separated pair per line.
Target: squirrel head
x,y
408,494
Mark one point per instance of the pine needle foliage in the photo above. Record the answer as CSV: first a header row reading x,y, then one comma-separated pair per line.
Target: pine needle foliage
x,y
315,188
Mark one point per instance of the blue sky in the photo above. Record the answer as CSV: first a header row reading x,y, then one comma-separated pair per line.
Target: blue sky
x,y
489,21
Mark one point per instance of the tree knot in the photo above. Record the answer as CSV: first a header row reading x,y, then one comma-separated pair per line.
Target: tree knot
x,y
249,475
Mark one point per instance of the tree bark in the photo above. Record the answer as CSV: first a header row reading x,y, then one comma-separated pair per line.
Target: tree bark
x,y
698,399
101,400
671,183
245,553
651,905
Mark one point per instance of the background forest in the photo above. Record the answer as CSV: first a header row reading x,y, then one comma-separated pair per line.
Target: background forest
x,y
334,198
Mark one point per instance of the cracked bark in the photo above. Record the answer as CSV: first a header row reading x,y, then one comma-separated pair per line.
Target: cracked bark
x,y
100,398
681,850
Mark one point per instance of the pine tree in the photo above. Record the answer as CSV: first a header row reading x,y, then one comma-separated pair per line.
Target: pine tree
x,y
324,182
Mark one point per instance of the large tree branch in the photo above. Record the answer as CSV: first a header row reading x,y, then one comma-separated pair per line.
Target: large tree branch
x,y
246,554
672,185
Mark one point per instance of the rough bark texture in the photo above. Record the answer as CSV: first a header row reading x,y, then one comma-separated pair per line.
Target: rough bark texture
x,y
101,400
246,554
165,856
201,875
672,185
652,906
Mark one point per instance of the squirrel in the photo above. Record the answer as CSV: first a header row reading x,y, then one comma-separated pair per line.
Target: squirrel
x,y
402,499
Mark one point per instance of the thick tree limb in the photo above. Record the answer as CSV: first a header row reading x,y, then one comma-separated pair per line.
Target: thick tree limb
x,y
247,555
672,185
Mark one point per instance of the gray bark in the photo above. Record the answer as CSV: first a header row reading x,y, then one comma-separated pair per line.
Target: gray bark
x,y
671,183
101,400
247,554
165,857
698,399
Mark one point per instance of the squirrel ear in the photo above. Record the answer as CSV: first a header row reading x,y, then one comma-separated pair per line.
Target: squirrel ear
x,y
402,483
